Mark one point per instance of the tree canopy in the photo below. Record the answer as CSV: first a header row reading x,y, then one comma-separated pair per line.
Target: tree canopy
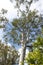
x,y
36,56
8,54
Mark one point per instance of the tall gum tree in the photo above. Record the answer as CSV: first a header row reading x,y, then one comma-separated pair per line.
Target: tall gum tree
x,y
25,28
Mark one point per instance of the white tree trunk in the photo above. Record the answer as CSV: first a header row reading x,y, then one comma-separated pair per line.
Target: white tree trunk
x,y
22,56
23,50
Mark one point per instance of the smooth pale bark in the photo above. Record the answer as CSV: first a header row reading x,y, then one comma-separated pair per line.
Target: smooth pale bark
x,y
22,56
23,50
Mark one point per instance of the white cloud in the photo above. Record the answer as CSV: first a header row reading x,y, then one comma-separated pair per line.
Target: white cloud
x,y
6,4
38,6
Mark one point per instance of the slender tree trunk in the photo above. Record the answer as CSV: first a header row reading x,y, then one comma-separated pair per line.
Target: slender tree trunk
x,y
22,56
23,50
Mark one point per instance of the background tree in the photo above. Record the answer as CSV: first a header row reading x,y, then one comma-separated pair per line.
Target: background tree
x,y
36,56
8,54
